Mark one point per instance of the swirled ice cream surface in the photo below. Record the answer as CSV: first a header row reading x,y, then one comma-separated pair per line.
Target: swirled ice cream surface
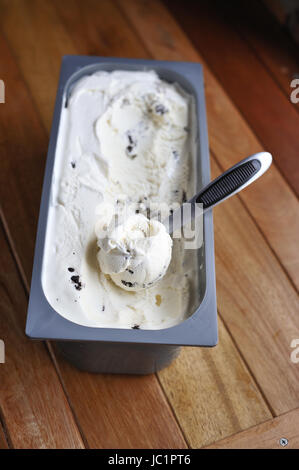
x,y
125,139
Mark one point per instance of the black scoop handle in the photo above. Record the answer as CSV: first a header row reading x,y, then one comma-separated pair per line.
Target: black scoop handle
x,y
233,180
226,185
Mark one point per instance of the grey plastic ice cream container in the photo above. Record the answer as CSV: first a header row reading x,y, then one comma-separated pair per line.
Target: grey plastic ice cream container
x,y
118,350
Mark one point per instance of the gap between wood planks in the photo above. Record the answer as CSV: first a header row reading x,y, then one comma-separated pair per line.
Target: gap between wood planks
x,y
214,27
25,283
272,44
265,36
34,410
5,441
260,230
47,344
277,433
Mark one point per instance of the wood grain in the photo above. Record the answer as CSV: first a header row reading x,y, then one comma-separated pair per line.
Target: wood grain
x,y
266,435
270,201
23,149
37,23
276,8
271,43
255,297
258,304
3,441
122,411
32,401
212,392
98,29
29,156
247,81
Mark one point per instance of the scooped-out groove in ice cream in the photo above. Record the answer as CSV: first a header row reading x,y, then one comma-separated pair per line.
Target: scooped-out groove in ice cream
x,y
125,139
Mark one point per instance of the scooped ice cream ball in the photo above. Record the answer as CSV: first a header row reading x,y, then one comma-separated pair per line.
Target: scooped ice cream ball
x,y
136,253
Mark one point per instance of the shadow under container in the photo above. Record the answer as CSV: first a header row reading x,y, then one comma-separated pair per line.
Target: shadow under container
x,y
114,350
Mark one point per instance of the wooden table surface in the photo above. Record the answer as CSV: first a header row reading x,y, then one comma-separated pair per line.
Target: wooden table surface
x,y
244,392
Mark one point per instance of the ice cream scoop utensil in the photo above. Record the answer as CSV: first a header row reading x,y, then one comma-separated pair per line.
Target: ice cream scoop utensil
x,y
231,182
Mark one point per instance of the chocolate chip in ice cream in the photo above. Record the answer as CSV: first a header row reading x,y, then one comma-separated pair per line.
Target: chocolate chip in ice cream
x,y
136,327
73,164
128,284
125,102
71,270
175,154
103,308
160,109
77,282
130,149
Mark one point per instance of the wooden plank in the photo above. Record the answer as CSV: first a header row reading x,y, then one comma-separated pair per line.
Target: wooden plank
x,y
276,8
212,392
103,37
270,201
266,435
20,192
271,43
256,299
32,401
37,23
122,411
3,441
40,20
23,147
270,114
258,304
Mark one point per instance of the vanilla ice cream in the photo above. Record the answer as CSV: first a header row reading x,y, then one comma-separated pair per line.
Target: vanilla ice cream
x,y
126,139
136,253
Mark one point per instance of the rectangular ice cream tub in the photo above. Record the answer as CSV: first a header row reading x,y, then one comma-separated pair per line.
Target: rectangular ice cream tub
x,y
126,350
